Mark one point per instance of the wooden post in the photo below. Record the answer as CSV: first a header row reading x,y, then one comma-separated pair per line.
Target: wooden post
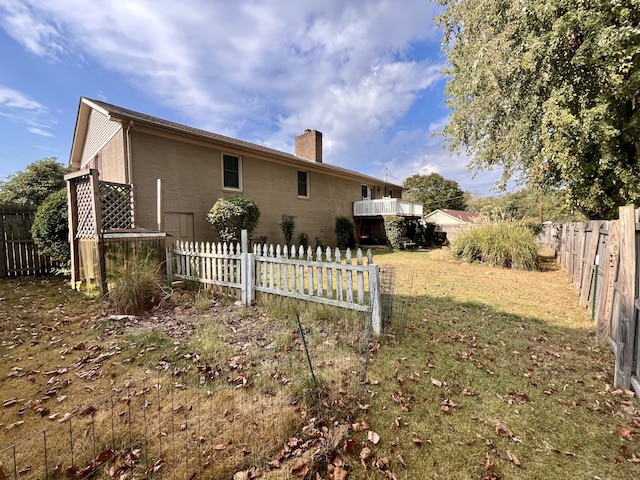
x,y
374,294
72,209
98,237
626,287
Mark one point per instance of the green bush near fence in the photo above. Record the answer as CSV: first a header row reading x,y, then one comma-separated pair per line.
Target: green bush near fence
x,y
393,226
50,229
230,215
288,225
509,244
344,232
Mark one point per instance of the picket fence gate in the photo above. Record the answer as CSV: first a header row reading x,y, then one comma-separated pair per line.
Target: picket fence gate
x,y
324,277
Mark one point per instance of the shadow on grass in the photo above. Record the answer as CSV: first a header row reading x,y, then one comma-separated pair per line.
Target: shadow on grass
x,y
462,390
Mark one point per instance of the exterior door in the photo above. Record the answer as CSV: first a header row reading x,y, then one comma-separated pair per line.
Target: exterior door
x,y
179,226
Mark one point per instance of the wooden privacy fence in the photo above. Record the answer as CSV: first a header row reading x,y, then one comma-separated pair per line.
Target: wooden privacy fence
x,y
19,254
601,260
325,277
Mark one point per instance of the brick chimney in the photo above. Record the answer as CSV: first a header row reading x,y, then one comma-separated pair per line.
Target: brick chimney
x,y
309,145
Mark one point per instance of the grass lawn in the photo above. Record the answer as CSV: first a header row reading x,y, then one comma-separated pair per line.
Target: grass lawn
x,y
496,373
485,373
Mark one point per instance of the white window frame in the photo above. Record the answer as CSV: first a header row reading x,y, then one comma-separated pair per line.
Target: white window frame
x,y
307,183
239,157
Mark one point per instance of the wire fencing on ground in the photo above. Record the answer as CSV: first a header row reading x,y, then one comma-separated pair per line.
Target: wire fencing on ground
x,y
396,289
245,402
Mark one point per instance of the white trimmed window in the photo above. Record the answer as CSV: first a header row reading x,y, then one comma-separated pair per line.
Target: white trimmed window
x,y
231,172
303,184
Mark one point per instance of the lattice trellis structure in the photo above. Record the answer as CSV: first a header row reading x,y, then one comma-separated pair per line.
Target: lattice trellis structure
x,y
117,206
95,207
86,216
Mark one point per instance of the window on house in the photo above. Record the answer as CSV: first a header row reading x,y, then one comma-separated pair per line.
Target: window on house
x,y
231,172
366,193
303,183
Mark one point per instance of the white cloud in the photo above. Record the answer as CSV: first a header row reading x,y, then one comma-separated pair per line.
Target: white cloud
x,y
262,70
40,131
19,108
266,69
13,99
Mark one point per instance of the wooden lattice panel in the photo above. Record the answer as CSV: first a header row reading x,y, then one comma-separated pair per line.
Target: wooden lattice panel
x,y
117,206
86,217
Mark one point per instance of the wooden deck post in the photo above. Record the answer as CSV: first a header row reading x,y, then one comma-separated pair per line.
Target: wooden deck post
x,y
626,288
72,212
94,181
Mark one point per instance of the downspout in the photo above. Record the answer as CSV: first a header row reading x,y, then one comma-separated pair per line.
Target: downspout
x,y
130,171
129,166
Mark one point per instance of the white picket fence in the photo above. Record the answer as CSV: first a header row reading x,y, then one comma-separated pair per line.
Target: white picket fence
x,y
322,277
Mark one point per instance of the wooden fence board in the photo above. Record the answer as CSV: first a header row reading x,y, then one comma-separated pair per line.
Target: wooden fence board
x,y
626,286
610,272
591,245
19,254
613,246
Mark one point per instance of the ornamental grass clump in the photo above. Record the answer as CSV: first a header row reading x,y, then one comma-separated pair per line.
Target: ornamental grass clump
x,y
507,244
135,283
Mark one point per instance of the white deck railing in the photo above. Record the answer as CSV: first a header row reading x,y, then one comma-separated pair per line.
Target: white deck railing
x,y
387,206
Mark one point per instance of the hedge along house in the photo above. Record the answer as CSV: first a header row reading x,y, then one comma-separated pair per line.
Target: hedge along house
x,y
176,174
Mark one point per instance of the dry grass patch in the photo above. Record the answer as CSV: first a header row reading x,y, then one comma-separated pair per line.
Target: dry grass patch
x,y
188,388
494,374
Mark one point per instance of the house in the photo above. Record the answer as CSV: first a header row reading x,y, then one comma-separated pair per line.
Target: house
x,y
451,221
178,173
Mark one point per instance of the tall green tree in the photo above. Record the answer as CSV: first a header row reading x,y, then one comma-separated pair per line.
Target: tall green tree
x,y
526,203
434,192
550,92
31,186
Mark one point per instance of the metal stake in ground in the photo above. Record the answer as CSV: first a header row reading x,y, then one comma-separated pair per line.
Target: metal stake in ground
x,y
306,351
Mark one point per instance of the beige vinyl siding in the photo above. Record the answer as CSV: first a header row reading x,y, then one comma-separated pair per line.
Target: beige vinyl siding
x,y
99,132
114,159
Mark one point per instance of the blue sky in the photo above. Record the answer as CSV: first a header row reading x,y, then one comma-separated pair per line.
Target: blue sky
x,y
366,73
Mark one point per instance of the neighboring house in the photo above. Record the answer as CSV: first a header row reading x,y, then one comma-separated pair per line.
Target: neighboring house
x,y
178,173
451,221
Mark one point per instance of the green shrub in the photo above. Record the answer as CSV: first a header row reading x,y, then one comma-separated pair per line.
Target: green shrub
x,y
344,232
393,226
507,244
50,229
303,240
135,283
287,225
230,215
